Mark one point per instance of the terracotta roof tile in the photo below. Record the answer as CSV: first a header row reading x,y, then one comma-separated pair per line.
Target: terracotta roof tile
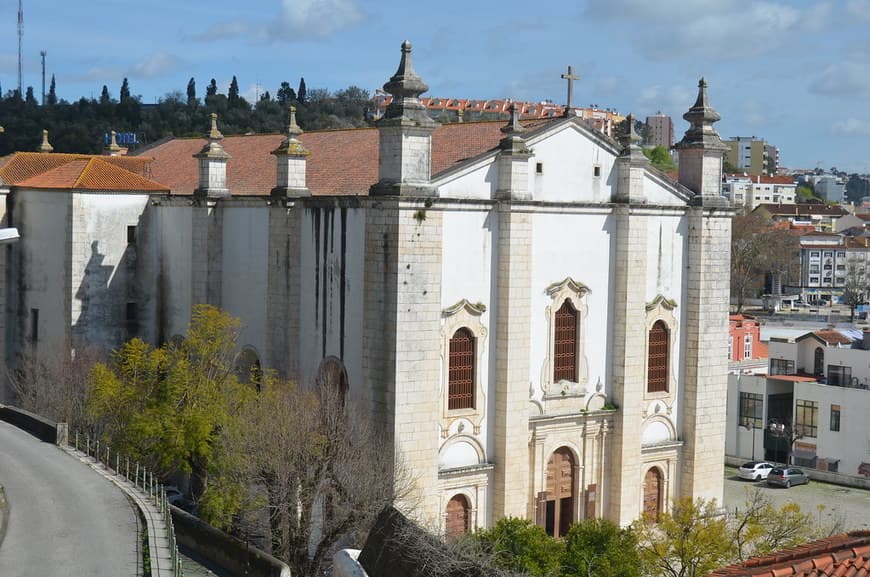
x,y
21,166
94,173
802,209
342,162
844,555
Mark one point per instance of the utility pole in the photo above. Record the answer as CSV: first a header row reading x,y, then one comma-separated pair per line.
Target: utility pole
x,y
20,40
42,53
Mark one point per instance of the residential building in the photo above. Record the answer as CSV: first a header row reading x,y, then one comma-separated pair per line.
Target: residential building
x,y
748,192
811,409
748,154
821,217
830,188
853,224
772,154
661,130
533,313
826,259
744,341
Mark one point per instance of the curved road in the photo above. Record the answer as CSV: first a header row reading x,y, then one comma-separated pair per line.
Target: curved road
x,y
64,519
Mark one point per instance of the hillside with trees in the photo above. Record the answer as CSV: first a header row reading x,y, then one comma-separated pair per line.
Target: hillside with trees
x,y
80,126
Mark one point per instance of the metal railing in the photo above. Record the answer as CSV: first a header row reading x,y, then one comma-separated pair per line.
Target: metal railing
x,y
143,480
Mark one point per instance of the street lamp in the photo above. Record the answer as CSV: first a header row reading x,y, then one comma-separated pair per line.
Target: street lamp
x,y
749,424
784,432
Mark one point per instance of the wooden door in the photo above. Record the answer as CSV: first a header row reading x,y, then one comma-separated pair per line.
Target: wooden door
x,y
560,492
652,494
458,521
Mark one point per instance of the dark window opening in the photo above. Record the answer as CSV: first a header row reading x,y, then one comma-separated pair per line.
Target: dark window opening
x,y
565,344
34,325
460,373
657,359
835,417
131,234
539,168
596,171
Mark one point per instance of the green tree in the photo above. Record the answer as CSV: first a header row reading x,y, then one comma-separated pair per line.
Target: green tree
x,y
660,158
690,541
29,97
519,545
51,99
191,92
211,89
124,94
757,248
285,94
104,96
302,93
168,407
601,548
233,93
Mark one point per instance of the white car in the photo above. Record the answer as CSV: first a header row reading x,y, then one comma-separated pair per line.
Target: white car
x,y
755,470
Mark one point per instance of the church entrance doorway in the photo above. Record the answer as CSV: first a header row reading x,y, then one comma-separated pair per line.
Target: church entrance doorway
x,y
652,494
458,517
560,493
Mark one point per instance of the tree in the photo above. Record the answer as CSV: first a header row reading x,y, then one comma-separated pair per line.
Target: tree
x,y
104,95
51,99
756,249
191,92
660,158
302,93
601,548
321,469
759,528
233,92
124,94
521,546
211,89
29,97
169,406
856,285
690,541
285,94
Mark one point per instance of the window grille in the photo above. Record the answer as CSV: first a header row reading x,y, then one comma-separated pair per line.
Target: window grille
x,y
460,385
565,344
657,361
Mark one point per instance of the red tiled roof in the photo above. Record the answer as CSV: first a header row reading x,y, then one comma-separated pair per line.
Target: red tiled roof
x,y
21,166
793,378
844,555
93,173
833,337
342,162
801,209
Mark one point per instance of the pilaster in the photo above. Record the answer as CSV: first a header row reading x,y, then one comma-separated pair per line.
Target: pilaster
x,y
283,306
628,362
511,495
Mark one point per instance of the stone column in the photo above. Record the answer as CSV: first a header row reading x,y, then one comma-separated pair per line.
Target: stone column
x,y
706,366
510,493
628,358
282,307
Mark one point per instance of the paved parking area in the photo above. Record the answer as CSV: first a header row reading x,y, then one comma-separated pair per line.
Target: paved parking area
x,y
822,499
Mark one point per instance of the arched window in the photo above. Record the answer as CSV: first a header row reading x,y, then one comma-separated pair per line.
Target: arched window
x,y
657,359
565,344
458,516
248,369
332,379
652,495
819,361
460,378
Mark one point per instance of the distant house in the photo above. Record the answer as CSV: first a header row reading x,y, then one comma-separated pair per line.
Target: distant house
x,y
744,339
821,216
825,260
844,555
748,192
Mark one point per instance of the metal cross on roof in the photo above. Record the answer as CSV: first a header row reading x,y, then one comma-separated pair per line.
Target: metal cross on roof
x,y
570,77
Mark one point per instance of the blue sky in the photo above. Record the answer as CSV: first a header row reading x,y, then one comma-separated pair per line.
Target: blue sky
x,y
794,72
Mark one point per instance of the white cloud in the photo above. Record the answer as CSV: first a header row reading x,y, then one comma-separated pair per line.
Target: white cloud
x,y
716,29
851,127
845,79
859,9
314,18
154,65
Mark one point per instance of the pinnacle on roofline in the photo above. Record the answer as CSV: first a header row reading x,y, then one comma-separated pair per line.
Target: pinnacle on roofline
x,y
45,146
291,145
406,86
214,133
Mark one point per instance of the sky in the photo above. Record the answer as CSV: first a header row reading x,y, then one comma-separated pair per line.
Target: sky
x,y
795,73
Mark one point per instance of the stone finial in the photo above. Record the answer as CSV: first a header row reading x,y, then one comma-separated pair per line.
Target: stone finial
x,y
460,116
513,142
214,133
291,145
113,149
629,137
701,116
406,87
45,146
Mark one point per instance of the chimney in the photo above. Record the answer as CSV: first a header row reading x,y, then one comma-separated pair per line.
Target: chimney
x,y
212,165
405,136
291,157
701,152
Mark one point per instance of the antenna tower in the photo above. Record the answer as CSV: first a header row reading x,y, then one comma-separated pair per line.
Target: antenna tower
x,y
42,53
20,38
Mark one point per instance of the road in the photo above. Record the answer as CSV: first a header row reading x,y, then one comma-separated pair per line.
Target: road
x,y
850,504
64,520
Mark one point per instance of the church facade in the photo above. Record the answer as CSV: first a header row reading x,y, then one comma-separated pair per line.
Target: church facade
x,y
537,316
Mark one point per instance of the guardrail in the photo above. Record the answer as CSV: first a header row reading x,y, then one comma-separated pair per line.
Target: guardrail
x,y
142,479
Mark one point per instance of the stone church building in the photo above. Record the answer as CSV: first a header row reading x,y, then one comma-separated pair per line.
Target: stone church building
x,y
537,315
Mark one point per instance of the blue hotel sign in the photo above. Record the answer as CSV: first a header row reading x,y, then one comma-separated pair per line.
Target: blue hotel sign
x,y
122,138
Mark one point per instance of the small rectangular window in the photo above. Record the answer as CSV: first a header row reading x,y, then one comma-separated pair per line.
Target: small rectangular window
x,y
131,234
835,417
34,325
596,171
751,410
539,168
839,376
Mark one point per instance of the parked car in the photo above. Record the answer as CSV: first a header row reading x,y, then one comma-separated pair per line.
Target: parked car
x,y
786,477
755,470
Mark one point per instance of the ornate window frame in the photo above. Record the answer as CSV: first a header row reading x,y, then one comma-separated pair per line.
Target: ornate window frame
x,y
463,314
661,309
559,292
